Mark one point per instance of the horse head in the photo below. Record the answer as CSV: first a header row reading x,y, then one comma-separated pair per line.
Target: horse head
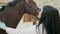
x,y
29,6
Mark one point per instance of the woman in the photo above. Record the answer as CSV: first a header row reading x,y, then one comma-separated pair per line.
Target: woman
x,y
49,19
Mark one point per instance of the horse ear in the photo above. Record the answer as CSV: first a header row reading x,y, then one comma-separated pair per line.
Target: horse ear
x,y
26,1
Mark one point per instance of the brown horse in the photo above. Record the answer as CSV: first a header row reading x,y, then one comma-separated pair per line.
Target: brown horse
x,y
11,15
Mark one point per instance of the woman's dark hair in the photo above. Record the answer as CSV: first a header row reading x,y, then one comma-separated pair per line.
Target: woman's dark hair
x,y
50,18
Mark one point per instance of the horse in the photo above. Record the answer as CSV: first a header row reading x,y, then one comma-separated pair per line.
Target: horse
x,y
11,15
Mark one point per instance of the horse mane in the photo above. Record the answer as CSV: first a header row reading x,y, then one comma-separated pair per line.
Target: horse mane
x,y
13,3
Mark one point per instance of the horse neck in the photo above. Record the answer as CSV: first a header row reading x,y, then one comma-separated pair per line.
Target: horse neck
x,y
18,15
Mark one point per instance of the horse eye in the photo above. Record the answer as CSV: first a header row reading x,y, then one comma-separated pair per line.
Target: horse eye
x,y
38,9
